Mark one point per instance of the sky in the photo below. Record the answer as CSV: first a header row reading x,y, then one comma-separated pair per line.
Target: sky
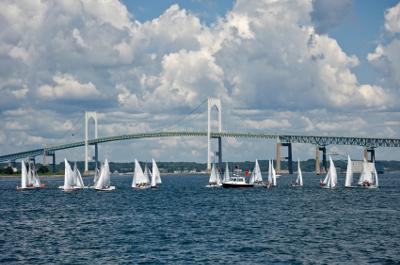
x,y
313,67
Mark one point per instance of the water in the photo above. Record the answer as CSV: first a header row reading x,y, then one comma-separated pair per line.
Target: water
x,y
185,223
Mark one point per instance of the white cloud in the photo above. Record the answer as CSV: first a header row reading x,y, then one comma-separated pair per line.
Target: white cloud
x,y
262,56
392,19
67,87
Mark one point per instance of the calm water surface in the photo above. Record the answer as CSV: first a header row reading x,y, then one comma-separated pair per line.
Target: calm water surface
x,y
183,222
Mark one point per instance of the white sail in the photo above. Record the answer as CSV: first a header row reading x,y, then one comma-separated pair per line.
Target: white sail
x,y
269,172
78,178
37,183
139,177
226,173
146,175
24,175
68,176
257,174
330,180
155,173
96,175
104,179
219,183
273,174
213,176
366,175
299,180
349,173
29,175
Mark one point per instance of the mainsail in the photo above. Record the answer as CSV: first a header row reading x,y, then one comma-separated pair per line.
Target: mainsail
x,y
24,175
139,178
226,173
78,178
330,180
155,174
104,179
299,179
68,176
273,174
349,173
269,172
366,175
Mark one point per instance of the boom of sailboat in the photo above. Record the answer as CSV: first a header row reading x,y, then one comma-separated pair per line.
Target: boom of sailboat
x,y
144,179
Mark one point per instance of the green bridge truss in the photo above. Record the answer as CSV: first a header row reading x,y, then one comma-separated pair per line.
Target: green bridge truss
x,y
315,140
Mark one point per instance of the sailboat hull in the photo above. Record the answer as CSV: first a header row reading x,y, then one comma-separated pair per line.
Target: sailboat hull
x,y
111,188
27,188
236,185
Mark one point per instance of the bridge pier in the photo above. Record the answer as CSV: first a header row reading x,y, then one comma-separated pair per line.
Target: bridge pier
x,y
369,152
289,157
317,159
96,154
213,102
54,162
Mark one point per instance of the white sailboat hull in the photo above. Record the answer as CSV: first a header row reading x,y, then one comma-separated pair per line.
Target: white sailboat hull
x,y
111,188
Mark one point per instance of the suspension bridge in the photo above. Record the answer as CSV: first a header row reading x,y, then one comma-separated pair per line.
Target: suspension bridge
x,y
283,140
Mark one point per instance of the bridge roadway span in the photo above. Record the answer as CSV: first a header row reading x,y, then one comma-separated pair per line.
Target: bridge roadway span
x,y
315,140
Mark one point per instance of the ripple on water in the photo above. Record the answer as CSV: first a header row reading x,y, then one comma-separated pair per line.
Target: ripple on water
x,y
183,222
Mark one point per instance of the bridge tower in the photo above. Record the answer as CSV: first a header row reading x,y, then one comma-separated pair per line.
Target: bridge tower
x,y
90,116
317,159
369,152
214,102
289,156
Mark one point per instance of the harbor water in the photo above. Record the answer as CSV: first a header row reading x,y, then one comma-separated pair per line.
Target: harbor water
x,y
183,222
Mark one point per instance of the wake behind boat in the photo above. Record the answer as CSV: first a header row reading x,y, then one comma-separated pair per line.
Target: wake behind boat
x,y
236,181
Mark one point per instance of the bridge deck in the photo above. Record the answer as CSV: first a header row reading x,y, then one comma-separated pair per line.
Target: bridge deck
x,y
315,140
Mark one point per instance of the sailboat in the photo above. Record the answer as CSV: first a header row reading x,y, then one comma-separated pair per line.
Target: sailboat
x,y
78,178
215,178
330,181
24,178
103,183
69,182
368,177
96,176
140,179
349,174
29,178
299,179
271,182
155,175
226,174
256,177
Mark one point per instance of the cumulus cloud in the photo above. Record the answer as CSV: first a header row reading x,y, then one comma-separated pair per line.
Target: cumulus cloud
x,y
67,87
386,56
267,57
392,19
